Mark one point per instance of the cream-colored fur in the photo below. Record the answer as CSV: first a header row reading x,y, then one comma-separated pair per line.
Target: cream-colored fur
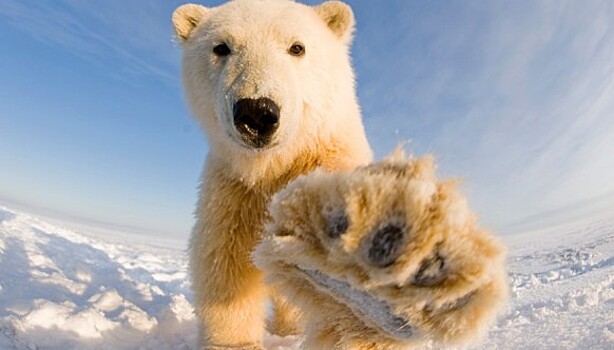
x,y
320,126
449,299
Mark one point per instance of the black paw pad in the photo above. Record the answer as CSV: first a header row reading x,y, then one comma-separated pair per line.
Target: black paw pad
x,y
431,271
337,224
385,246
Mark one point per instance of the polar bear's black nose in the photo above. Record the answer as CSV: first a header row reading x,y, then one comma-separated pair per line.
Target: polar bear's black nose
x,y
256,119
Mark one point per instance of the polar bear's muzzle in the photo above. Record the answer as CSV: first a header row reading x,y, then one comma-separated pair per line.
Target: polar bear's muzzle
x,y
256,120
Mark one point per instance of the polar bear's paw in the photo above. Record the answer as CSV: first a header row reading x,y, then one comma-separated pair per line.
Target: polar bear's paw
x,y
387,253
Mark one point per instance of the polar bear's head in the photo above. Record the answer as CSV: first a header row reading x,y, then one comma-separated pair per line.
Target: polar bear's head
x,y
264,75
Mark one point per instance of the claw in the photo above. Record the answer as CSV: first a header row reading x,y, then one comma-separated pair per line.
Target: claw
x,y
452,305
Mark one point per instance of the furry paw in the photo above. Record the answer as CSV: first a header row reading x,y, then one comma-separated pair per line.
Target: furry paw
x,y
386,254
221,347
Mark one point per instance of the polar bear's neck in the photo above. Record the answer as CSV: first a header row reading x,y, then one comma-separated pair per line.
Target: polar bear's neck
x,y
268,172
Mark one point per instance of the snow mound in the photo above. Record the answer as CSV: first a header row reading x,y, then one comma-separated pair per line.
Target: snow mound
x,y
62,289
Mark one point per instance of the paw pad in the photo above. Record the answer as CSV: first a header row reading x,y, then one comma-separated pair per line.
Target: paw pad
x,y
431,271
385,246
337,224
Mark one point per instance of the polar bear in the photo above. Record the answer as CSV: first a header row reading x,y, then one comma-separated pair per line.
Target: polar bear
x,y
271,83
378,256
384,257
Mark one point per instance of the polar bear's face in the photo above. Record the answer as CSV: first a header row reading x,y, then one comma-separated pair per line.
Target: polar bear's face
x,y
256,72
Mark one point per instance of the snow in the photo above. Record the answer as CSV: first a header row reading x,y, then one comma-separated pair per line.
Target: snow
x,y
61,289
67,288
562,281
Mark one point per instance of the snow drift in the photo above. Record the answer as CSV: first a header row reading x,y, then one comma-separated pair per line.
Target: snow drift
x,y
61,288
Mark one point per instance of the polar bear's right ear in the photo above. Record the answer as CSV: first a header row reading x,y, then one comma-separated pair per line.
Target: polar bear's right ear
x,y
186,18
339,18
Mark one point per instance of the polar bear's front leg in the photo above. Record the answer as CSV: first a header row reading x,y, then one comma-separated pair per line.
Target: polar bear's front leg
x,y
229,291
229,300
286,316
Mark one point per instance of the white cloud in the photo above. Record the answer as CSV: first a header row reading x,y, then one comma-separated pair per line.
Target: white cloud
x,y
516,97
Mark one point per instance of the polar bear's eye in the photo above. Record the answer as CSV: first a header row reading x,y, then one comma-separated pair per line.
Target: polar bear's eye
x,y
297,49
221,50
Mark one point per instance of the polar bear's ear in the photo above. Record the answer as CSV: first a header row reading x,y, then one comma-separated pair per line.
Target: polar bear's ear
x,y
339,18
186,18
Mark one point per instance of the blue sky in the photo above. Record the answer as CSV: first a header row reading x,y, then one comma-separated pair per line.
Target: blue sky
x,y
516,98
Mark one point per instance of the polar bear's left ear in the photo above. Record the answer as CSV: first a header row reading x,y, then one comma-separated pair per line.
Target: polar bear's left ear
x,y
339,18
186,18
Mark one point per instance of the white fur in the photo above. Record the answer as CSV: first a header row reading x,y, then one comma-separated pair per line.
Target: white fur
x,y
315,92
320,126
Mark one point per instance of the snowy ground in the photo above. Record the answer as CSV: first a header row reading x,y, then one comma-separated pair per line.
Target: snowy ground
x,y
62,288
